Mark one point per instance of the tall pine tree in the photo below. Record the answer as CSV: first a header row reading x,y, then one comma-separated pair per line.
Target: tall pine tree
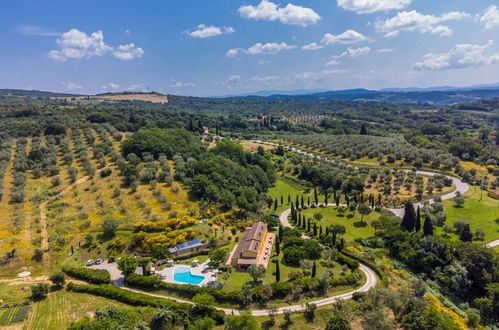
x,y
277,272
409,219
418,220
428,226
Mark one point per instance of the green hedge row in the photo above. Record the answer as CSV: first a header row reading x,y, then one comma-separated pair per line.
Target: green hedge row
x,y
346,260
155,283
370,264
350,279
279,289
139,299
95,276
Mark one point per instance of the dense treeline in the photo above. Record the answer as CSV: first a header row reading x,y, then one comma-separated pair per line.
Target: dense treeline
x,y
226,174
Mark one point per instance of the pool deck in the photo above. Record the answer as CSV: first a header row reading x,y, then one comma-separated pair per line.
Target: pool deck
x,y
199,270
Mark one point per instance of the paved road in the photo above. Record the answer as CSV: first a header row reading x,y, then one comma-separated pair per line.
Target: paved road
x,y
492,244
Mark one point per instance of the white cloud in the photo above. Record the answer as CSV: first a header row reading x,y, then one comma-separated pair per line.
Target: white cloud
x,y
134,88
271,48
385,50
234,79
312,46
205,31
263,62
354,52
291,14
178,84
414,21
34,30
490,18
128,52
346,38
267,78
372,6
333,72
460,56
110,85
70,85
333,63
76,44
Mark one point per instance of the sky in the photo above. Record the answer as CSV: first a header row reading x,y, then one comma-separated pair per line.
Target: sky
x,y
228,47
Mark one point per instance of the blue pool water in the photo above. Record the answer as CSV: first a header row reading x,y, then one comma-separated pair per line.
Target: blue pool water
x,y
184,275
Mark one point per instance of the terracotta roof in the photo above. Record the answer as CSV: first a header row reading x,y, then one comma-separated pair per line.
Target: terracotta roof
x,y
251,240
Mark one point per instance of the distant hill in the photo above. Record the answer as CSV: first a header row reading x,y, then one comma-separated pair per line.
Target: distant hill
x,y
431,97
34,93
482,105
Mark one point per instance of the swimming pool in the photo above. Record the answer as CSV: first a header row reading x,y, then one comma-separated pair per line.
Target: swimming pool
x,y
184,275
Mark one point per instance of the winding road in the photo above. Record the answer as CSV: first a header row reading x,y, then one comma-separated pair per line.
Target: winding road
x,y
461,187
371,281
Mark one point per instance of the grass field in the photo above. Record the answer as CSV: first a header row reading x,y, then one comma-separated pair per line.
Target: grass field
x,y
284,187
61,308
237,279
482,214
354,227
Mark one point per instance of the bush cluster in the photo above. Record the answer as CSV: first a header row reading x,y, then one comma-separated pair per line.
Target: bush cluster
x,y
95,276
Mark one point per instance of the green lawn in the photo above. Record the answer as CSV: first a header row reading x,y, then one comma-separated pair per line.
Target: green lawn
x,y
284,187
482,214
237,279
354,227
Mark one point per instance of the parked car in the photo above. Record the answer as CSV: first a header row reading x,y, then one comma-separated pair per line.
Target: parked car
x,y
90,262
98,261
110,260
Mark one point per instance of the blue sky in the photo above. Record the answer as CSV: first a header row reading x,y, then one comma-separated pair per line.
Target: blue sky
x,y
220,47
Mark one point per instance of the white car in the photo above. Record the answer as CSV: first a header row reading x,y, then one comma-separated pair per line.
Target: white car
x,y
90,262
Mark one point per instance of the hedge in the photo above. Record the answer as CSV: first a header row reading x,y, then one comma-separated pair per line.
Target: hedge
x,y
95,276
346,260
155,283
279,289
370,264
139,299
350,279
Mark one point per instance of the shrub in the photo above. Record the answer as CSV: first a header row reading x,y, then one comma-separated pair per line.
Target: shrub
x,y
39,291
350,262
95,276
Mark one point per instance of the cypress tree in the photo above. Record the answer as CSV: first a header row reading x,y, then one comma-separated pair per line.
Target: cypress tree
x,y
308,201
325,199
314,269
363,130
297,203
428,226
277,271
418,220
289,199
466,235
277,246
315,196
347,200
308,225
337,201
315,228
282,200
320,230
275,204
409,219
302,201
280,232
